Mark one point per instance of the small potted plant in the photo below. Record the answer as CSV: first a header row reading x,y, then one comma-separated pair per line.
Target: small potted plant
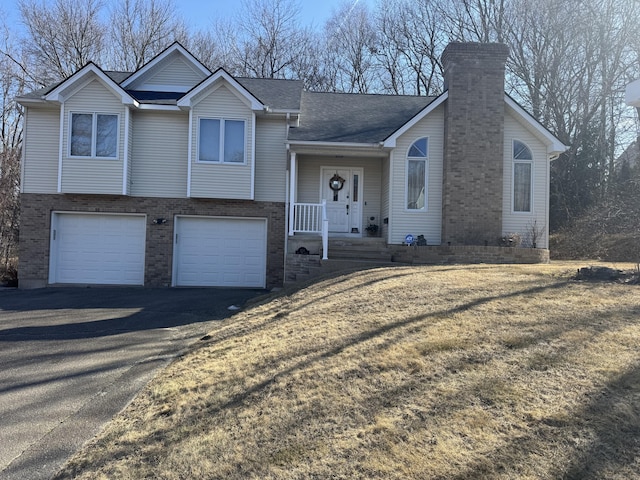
x,y
372,229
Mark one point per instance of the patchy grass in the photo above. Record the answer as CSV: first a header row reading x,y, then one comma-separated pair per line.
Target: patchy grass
x,y
454,372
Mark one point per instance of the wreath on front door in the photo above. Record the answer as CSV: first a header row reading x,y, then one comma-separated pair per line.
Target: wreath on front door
x,y
336,183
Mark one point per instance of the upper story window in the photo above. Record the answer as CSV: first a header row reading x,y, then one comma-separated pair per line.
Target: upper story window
x,y
94,135
522,177
417,175
221,140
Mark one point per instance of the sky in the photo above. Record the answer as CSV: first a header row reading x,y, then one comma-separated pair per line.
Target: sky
x,y
200,13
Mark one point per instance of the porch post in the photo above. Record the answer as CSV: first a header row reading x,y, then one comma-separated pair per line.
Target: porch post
x,y
325,231
292,191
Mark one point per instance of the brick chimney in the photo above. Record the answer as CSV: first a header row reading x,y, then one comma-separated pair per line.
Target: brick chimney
x,y
473,147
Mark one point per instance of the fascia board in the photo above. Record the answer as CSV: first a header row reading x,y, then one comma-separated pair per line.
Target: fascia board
x,y
554,146
390,141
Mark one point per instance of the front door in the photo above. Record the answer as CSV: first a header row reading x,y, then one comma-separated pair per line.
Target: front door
x,y
342,189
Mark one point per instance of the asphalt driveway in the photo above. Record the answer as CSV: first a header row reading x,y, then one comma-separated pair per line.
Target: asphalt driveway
x,y
71,358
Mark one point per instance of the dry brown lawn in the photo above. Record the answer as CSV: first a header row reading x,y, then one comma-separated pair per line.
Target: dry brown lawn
x,y
435,372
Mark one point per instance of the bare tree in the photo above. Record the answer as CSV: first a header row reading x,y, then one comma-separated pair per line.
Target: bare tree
x,y
410,43
140,29
13,82
351,47
62,36
263,41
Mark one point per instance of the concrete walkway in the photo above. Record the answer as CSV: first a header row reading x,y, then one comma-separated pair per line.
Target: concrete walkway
x,y
71,358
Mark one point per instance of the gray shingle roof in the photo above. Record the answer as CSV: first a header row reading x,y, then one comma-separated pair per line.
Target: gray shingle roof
x,y
277,94
357,118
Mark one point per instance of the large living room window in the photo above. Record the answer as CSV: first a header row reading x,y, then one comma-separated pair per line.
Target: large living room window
x,y
94,135
221,140
417,175
522,168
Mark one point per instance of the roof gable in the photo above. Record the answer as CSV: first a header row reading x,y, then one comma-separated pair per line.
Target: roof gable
x,y
82,77
554,146
220,77
391,140
173,70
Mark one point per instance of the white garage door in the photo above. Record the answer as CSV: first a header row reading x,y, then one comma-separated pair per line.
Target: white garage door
x,y
97,249
220,252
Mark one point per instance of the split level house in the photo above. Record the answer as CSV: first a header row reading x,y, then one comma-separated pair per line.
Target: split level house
x,y
175,175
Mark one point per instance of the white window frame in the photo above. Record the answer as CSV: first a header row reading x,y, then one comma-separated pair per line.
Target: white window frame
x,y
223,121
514,162
425,159
94,136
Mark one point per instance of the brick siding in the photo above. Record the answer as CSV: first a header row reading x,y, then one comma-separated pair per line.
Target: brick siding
x,y
474,137
36,223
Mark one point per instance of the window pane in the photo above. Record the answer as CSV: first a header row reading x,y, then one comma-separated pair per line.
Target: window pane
x,y
522,187
234,141
419,148
521,151
81,126
356,180
209,144
416,184
107,136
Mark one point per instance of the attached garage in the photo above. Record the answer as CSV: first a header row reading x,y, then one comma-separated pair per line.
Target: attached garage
x,y
99,249
220,252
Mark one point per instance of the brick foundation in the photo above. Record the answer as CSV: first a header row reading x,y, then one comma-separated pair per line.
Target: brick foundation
x,y
467,254
35,228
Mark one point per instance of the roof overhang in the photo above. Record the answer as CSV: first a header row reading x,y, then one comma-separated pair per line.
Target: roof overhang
x,y
82,77
554,146
338,149
390,141
632,94
219,77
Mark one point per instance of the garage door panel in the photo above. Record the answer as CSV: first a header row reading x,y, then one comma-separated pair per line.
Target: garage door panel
x,y
98,249
220,252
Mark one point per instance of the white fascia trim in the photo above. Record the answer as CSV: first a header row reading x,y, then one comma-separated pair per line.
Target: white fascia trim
x,y
155,106
632,94
125,154
58,94
176,47
189,153
26,100
253,156
304,143
390,142
554,146
60,153
220,74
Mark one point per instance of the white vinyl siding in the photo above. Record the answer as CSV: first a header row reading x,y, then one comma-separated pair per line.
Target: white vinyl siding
x,y
384,213
41,150
93,175
222,180
271,160
159,154
429,222
174,72
309,171
523,222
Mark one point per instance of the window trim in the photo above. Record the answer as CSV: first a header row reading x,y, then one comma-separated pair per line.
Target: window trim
x,y
424,159
514,162
94,136
222,121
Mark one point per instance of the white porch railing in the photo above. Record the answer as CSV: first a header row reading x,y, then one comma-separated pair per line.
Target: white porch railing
x,y
311,218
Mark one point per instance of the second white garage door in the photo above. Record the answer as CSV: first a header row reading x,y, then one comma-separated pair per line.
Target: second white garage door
x,y
220,252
